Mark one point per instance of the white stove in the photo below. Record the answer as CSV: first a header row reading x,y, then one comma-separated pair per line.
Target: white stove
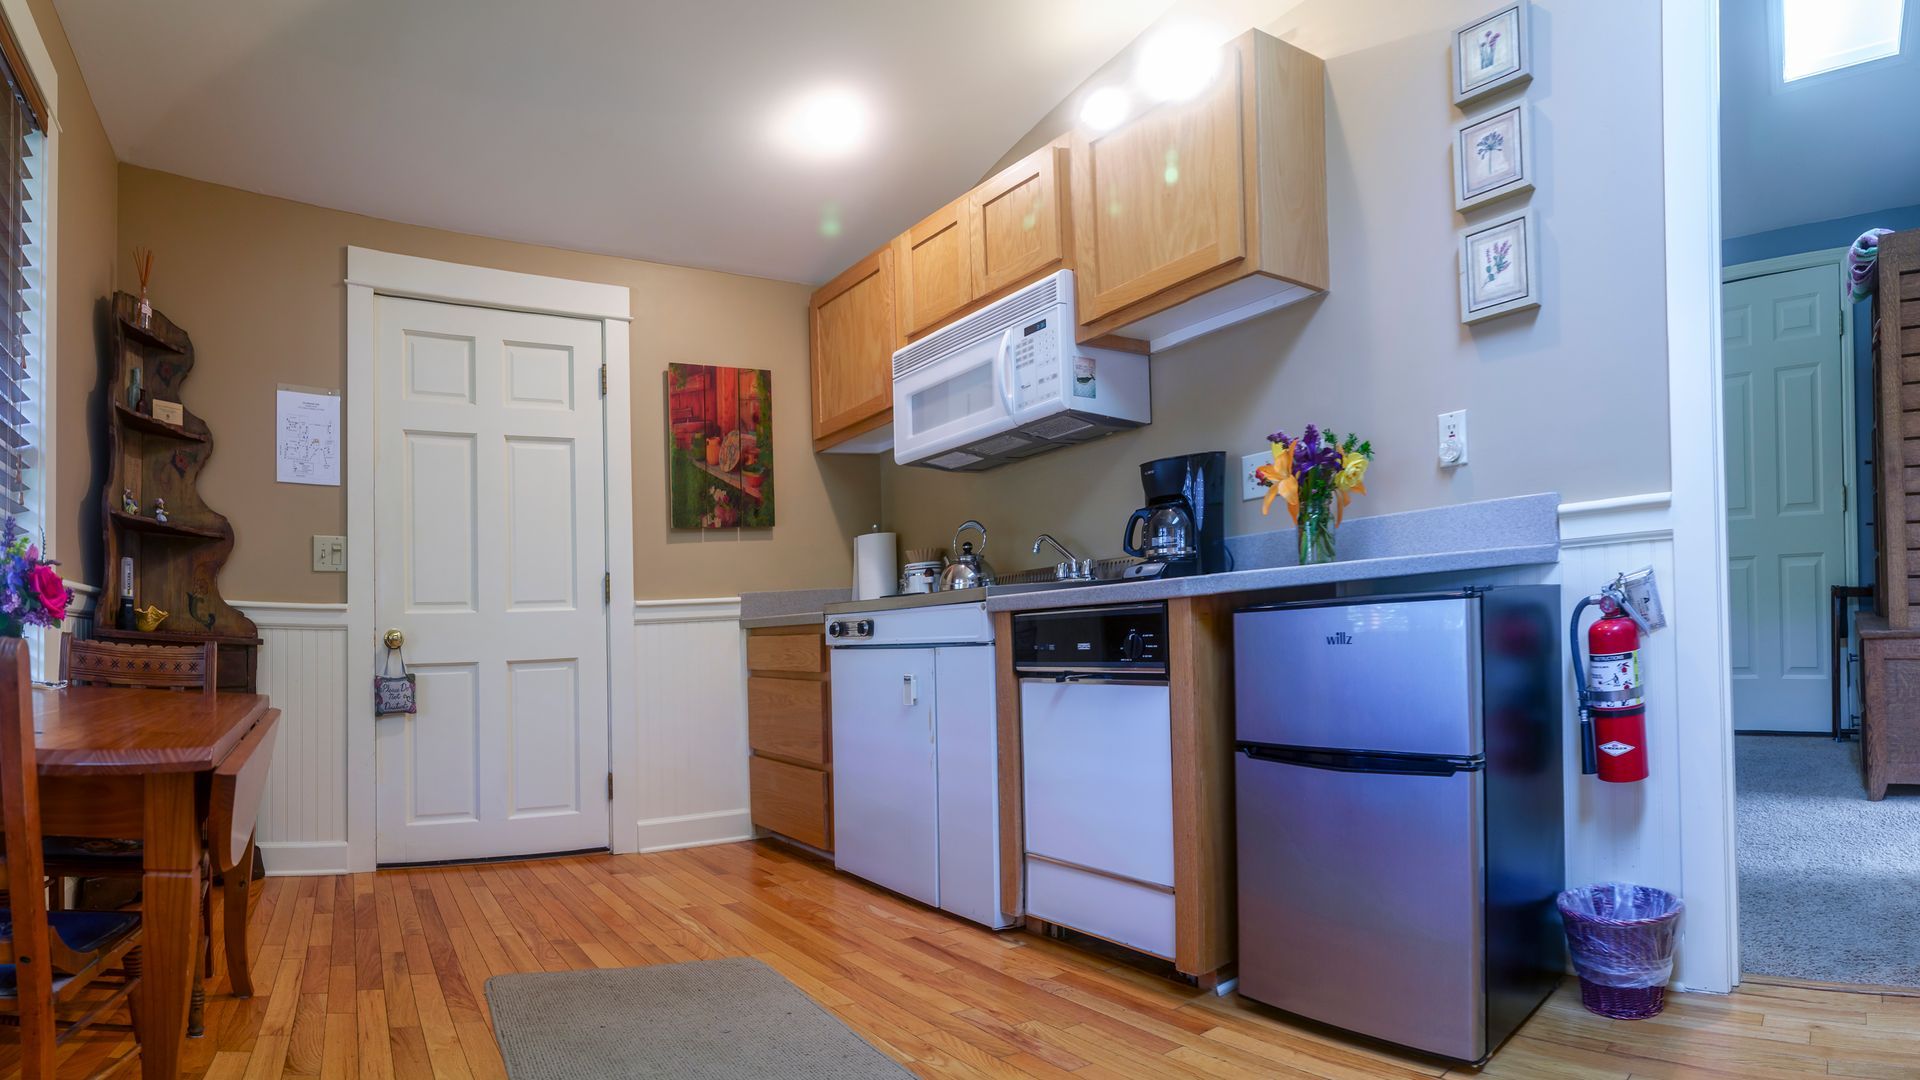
x,y
915,764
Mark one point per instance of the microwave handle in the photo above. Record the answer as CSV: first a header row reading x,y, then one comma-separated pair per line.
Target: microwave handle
x,y
1003,370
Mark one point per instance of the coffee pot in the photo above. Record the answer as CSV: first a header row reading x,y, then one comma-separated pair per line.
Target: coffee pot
x,y
1182,528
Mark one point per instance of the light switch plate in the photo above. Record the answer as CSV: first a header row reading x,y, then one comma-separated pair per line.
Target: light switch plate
x,y
1250,486
1453,439
329,554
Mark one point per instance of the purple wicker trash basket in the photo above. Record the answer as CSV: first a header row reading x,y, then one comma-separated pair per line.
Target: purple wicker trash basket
x,y
1621,937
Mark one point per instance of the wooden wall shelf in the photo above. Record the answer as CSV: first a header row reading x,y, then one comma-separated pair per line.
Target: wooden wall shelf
x,y
176,563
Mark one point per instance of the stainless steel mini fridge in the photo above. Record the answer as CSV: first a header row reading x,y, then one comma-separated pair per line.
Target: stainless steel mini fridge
x,y
1399,784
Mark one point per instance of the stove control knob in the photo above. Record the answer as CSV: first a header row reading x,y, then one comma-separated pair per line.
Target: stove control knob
x,y
1134,648
863,628
835,629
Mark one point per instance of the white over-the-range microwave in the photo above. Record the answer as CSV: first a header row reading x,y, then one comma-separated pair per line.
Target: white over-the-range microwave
x,y
1009,381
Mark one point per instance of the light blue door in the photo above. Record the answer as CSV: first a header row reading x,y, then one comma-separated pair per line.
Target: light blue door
x,y
1786,462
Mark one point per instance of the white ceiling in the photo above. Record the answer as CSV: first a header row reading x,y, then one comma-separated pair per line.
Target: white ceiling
x,y
1821,148
630,127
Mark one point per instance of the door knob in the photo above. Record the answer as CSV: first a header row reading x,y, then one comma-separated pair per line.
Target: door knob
x,y
394,639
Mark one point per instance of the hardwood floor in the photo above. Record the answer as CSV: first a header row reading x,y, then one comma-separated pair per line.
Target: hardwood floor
x,y
383,975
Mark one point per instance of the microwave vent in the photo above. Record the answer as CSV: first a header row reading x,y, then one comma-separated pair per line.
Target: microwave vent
x,y
988,322
957,460
1062,427
1000,445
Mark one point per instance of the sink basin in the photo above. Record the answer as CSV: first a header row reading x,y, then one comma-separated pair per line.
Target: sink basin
x,y
1044,586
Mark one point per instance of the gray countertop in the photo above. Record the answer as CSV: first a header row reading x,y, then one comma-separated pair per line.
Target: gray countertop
x,y
792,607
1519,531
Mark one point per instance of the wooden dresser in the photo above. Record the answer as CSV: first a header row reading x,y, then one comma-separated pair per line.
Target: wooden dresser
x,y
1890,637
790,730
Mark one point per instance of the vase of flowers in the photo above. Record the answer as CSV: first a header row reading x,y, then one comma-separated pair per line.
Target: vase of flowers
x,y
1317,474
33,593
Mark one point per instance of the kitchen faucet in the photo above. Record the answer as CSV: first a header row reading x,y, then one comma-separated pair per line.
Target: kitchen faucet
x,y
1073,569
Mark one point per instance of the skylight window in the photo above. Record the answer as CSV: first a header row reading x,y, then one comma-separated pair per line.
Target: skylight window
x,y
1827,35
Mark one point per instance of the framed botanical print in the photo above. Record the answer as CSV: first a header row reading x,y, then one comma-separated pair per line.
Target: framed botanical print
x,y
1492,156
1498,272
1491,53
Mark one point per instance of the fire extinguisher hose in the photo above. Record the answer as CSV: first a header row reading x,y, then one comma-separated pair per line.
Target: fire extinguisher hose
x,y
1589,757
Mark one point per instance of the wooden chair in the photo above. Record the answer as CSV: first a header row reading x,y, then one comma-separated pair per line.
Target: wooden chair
x,y
51,962
106,663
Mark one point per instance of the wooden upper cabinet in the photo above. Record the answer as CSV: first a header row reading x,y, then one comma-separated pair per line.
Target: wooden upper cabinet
x,y
854,332
934,261
1017,223
1227,188
1160,200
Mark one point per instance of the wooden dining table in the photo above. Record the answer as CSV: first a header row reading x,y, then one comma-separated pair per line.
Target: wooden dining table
x,y
136,764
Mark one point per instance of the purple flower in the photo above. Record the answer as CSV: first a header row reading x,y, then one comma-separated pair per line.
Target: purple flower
x,y
1279,437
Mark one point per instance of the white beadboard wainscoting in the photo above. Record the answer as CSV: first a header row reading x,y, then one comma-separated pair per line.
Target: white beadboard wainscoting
x,y
689,770
1631,832
303,670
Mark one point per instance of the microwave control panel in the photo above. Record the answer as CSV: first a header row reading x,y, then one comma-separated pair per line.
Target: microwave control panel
x,y
1036,364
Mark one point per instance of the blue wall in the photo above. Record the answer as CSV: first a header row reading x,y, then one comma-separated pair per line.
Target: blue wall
x,y
1820,236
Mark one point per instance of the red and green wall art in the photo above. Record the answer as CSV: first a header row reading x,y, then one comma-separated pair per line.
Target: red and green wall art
x,y
720,447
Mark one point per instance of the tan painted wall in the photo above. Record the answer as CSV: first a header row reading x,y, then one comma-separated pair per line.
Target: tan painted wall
x,y
87,238
1570,398
257,282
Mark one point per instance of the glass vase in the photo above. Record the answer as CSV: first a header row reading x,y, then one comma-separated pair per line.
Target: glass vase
x,y
10,626
1316,533
143,315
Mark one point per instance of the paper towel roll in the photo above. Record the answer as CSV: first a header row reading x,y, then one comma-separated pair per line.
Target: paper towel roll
x,y
876,571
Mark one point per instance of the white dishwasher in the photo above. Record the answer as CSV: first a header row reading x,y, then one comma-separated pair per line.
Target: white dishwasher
x,y
1097,760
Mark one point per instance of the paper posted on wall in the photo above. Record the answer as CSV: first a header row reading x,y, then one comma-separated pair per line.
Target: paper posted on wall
x,y
307,436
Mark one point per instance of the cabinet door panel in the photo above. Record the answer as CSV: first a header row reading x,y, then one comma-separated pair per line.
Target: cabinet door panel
x,y
1016,220
854,335
935,263
1161,199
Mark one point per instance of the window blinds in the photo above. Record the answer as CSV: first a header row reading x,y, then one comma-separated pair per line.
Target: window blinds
x,y
21,122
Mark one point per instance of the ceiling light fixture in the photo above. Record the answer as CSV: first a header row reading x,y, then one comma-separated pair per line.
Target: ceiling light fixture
x,y
825,124
1819,36
1105,108
1177,63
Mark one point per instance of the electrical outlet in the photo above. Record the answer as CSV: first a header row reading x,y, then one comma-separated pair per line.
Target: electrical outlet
x,y
1453,439
329,554
1250,485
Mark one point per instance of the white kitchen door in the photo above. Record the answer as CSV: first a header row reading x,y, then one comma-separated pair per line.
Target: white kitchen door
x,y
490,546
1787,469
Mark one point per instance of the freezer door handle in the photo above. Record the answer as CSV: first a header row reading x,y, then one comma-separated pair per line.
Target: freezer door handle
x,y
1360,761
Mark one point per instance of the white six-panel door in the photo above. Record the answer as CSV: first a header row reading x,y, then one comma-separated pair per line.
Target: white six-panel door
x,y
489,553
1786,462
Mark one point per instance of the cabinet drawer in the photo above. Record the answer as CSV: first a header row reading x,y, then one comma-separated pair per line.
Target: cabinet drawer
x,y
788,717
791,800
801,654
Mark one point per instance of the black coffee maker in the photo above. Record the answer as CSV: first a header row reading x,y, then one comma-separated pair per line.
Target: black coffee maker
x,y
1183,528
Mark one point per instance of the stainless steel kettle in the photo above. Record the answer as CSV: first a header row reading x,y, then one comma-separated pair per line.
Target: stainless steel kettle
x,y
969,568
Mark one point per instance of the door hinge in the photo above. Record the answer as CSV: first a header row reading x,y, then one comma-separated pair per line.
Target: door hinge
x,y
609,787
606,588
603,380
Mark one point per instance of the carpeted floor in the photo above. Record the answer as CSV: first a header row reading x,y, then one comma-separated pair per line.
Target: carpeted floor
x,y
1829,882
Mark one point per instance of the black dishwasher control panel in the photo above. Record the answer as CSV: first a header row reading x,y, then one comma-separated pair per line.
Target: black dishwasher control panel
x,y
1130,640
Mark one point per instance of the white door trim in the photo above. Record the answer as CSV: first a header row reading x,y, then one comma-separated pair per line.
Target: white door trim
x,y
1849,431
1690,137
385,273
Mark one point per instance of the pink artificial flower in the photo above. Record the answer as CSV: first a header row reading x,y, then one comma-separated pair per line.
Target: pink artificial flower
x,y
51,591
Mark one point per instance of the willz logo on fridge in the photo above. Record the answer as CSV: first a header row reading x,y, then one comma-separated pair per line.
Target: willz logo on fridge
x,y
1341,638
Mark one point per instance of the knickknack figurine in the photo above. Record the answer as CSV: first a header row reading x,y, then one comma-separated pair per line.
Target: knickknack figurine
x,y
128,502
159,509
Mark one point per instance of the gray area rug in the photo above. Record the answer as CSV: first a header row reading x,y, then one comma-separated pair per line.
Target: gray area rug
x,y
718,1019
1829,882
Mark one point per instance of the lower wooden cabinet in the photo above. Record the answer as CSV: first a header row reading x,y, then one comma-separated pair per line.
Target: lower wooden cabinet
x,y
790,731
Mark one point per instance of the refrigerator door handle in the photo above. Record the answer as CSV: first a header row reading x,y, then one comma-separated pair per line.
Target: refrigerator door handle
x,y
1361,761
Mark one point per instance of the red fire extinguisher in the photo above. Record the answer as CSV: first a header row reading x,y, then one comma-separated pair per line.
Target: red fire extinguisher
x,y
1613,709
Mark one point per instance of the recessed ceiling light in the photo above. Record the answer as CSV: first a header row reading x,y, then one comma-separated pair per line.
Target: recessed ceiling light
x,y
1105,108
825,123
1826,35
1176,63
